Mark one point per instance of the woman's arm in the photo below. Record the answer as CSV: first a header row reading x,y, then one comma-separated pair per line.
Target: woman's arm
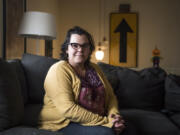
x,y
111,100
112,104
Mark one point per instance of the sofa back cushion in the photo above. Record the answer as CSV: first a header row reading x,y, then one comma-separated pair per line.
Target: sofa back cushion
x,y
172,96
36,68
110,72
11,100
136,89
141,89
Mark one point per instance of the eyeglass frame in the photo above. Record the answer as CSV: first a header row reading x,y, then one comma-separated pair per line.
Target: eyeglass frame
x,y
83,46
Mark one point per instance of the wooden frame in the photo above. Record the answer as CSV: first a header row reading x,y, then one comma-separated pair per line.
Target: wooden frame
x,y
123,39
13,45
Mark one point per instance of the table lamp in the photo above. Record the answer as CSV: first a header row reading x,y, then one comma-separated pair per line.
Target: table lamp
x,y
39,25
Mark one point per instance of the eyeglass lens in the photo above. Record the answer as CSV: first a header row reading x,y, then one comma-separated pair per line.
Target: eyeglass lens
x,y
77,46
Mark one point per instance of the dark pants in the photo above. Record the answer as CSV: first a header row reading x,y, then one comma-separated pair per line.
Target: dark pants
x,y
77,129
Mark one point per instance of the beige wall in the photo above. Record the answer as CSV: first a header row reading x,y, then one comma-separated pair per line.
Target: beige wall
x,y
50,6
158,25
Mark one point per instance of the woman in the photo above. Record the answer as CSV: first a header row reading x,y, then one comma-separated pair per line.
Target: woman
x,y
78,98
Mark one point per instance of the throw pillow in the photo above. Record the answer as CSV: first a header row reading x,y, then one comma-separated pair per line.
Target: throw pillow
x,y
141,89
172,96
11,100
16,64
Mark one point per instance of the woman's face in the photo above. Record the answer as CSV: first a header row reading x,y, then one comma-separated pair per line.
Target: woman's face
x,y
78,50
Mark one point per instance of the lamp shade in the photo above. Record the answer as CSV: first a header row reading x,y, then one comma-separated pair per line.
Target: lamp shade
x,y
39,25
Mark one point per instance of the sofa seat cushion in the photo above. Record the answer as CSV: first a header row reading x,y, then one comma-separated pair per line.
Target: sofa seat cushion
x,y
23,130
36,68
172,96
31,114
141,89
176,119
149,122
11,99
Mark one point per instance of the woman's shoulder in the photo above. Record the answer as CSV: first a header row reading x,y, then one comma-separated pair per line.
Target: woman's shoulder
x,y
95,66
62,64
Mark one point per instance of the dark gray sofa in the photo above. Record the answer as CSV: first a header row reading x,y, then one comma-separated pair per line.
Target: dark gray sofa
x,y
149,98
146,98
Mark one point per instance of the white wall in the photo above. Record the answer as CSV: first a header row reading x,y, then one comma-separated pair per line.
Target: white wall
x,y
159,22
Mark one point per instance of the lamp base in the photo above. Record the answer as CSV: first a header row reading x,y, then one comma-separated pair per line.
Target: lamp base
x,y
48,48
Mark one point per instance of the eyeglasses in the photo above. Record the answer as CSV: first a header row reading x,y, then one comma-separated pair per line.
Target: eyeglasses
x,y
77,46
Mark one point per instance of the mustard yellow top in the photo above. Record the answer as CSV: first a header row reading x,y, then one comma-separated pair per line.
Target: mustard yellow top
x,y
62,87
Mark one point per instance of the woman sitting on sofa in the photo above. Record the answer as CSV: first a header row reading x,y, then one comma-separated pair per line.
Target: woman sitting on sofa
x,y
78,98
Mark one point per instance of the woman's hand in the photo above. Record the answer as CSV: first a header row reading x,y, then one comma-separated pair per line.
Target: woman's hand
x,y
118,123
